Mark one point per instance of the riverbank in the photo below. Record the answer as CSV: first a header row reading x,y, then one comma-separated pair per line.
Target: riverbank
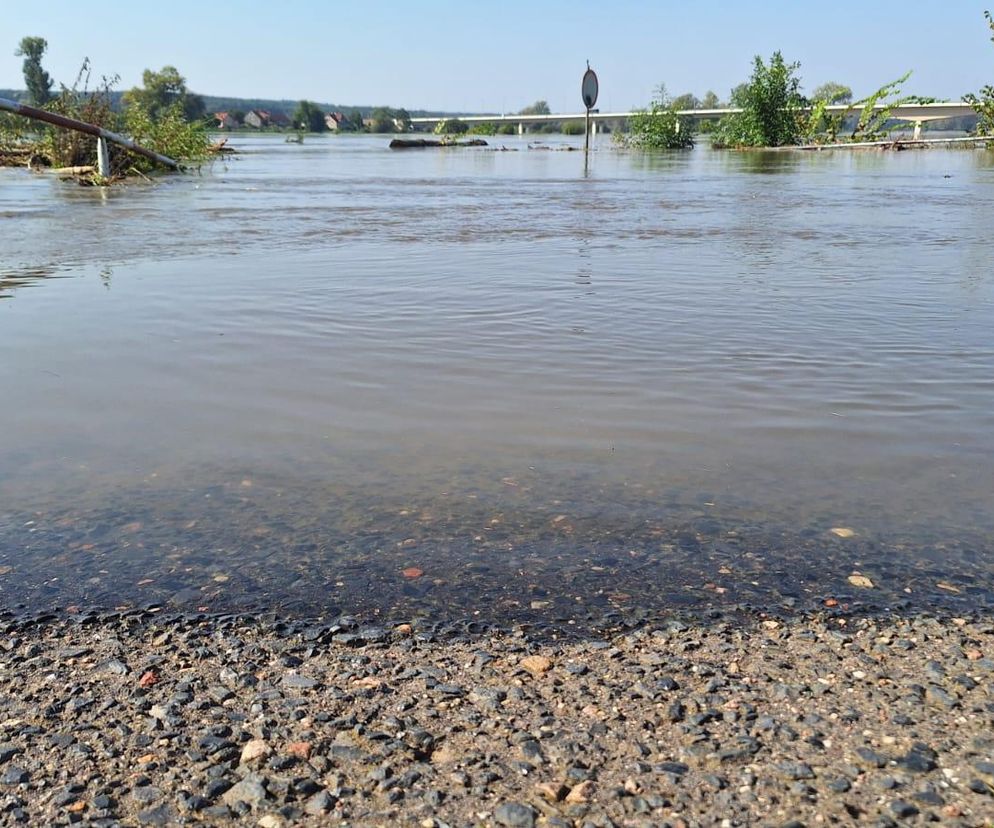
x,y
138,718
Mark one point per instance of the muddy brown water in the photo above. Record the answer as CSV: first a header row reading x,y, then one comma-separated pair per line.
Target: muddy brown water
x,y
658,383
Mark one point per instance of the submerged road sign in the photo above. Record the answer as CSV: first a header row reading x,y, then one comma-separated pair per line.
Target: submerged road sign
x,y
589,88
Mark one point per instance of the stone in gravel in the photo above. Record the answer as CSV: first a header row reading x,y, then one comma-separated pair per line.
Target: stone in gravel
x,y
515,815
871,757
986,768
978,786
488,697
796,770
840,785
939,697
159,815
255,749
299,682
251,790
580,793
553,791
318,804
930,798
902,809
146,794
920,759
301,750
8,752
113,667
216,787
537,665
14,776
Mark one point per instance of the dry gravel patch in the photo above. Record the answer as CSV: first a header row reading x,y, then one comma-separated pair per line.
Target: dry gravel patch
x,y
138,719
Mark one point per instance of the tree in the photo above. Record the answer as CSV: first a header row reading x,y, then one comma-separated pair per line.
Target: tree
x,y
772,107
685,101
382,118
710,100
309,117
537,108
832,93
355,121
738,94
163,90
36,79
983,104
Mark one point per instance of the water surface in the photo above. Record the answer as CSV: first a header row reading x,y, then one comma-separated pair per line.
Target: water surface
x,y
657,382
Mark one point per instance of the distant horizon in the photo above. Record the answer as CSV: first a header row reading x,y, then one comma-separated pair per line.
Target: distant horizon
x,y
446,57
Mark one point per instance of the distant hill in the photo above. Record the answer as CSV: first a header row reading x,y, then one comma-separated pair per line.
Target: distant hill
x,y
221,103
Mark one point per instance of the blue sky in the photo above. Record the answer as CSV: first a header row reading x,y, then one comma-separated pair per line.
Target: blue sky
x,y
467,56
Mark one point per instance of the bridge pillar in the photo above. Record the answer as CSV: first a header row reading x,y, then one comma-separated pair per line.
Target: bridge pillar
x,y
918,130
521,129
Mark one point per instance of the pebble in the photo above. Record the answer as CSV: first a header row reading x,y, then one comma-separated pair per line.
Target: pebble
x,y
320,803
514,815
902,809
253,750
249,790
299,682
537,665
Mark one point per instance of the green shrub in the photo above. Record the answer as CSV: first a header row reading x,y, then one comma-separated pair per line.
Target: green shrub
x,y
483,129
657,128
772,107
170,134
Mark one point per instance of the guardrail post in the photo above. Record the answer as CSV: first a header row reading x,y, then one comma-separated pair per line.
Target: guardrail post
x,y
103,158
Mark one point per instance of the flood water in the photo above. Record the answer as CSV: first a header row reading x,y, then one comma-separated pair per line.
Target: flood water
x,y
658,383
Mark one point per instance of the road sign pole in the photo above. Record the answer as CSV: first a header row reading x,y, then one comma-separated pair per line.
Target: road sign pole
x,y
589,88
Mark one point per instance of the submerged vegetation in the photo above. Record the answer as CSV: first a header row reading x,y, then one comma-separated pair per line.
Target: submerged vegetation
x,y
659,127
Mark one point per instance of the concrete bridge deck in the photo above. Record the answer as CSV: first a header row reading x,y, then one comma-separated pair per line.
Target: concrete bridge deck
x,y
913,113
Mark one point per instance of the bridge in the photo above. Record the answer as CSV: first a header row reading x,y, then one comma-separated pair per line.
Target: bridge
x,y
917,114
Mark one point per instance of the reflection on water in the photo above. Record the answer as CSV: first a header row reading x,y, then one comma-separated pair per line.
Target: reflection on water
x,y
659,382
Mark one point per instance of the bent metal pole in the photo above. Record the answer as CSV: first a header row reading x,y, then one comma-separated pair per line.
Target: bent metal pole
x,y
89,129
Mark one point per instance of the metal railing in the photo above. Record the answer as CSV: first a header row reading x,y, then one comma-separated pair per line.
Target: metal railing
x,y
102,135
